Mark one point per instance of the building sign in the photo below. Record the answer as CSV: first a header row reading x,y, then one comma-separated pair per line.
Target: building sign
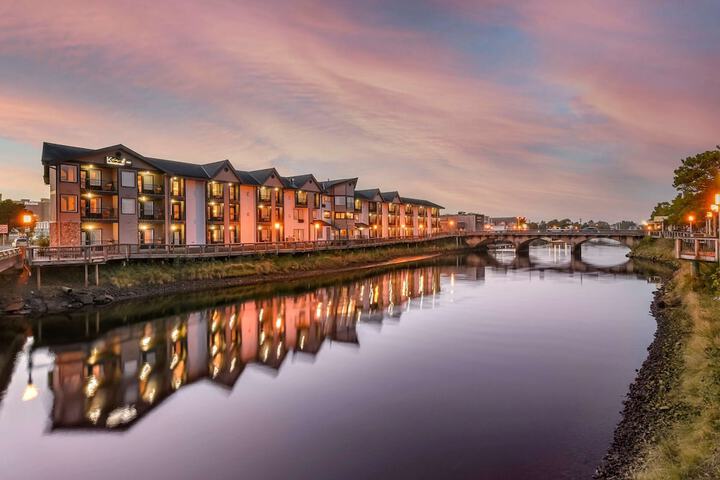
x,y
120,162
3,229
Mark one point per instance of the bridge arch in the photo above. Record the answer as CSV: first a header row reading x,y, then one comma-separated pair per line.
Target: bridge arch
x,y
523,246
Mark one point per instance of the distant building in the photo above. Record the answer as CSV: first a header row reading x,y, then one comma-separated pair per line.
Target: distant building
x,y
41,209
462,222
504,223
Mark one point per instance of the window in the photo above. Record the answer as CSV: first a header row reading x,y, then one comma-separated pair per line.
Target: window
x,y
95,178
316,200
339,201
358,204
176,187
127,206
68,173
299,215
300,197
349,203
127,178
216,189
68,203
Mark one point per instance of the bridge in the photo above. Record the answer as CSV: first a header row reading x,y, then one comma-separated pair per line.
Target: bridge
x,y
10,258
522,239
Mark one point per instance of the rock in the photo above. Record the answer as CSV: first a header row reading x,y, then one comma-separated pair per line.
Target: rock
x,y
37,305
85,298
15,307
66,289
104,299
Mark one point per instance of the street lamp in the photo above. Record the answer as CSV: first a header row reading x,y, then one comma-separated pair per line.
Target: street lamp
x,y
691,219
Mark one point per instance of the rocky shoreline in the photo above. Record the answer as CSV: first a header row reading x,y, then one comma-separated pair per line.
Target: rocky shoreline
x,y
56,300
648,410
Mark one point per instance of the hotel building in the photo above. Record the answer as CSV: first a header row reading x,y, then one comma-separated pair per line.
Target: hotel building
x,y
114,195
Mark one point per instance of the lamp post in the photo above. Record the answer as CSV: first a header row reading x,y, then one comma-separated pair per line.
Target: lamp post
x,y
691,220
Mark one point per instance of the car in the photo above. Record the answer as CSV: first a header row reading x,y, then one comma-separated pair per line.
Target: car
x,y
590,230
20,242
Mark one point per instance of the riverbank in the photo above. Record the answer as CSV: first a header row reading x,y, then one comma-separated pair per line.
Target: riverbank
x,y
670,427
64,290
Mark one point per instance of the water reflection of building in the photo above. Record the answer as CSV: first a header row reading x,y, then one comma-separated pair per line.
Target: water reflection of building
x,y
114,380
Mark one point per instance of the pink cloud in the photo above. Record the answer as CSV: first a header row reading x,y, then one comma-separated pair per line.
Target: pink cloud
x,y
314,88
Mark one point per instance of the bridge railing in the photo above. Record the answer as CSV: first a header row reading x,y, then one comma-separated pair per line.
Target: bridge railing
x,y
568,233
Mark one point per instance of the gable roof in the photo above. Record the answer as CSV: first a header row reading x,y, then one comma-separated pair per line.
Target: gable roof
x,y
180,169
54,152
331,183
262,176
390,196
297,181
369,194
419,201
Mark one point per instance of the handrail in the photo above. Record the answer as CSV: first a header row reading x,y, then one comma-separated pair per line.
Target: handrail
x,y
104,252
9,252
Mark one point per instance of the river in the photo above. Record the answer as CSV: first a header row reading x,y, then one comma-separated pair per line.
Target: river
x,y
463,367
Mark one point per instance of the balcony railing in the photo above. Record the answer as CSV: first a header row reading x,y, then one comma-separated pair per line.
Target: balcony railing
x,y
152,189
264,218
100,213
101,186
158,215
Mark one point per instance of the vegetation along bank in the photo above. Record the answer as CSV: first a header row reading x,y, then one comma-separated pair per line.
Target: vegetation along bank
x,y
63,287
670,427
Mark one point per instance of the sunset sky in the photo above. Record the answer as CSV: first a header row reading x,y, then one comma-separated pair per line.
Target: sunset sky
x,y
544,108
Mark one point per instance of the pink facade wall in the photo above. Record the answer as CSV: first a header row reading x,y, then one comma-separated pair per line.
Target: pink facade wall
x,y
195,212
247,213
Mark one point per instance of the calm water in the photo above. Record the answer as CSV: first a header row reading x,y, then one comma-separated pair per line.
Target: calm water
x,y
464,368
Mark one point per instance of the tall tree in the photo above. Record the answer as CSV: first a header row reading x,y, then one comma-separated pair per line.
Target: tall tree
x,y
10,213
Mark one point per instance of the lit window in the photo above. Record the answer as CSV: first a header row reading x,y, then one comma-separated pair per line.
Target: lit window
x,y
68,203
68,173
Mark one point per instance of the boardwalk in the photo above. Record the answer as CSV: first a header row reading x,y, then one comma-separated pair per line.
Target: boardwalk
x,y
98,254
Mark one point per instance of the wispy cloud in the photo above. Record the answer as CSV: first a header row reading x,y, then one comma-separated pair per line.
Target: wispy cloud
x,y
587,122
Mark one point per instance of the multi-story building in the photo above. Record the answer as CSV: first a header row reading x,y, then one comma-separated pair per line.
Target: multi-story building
x,y
302,199
369,208
114,195
342,206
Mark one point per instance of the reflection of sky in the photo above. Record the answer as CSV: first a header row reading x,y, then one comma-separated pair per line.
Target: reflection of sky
x,y
582,102
518,374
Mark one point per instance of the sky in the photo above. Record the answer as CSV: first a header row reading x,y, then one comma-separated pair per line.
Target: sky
x,y
543,108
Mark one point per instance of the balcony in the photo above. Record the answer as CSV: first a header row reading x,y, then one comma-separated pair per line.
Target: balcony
x,y
99,186
152,216
100,213
264,218
151,189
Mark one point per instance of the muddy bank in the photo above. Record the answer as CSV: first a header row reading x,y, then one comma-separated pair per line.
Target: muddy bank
x,y
52,300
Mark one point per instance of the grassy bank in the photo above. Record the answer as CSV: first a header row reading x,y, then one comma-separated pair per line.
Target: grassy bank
x,y
655,250
676,420
157,273
689,448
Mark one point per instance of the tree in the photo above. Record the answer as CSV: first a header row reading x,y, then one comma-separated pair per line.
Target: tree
x,y
10,213
696,180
